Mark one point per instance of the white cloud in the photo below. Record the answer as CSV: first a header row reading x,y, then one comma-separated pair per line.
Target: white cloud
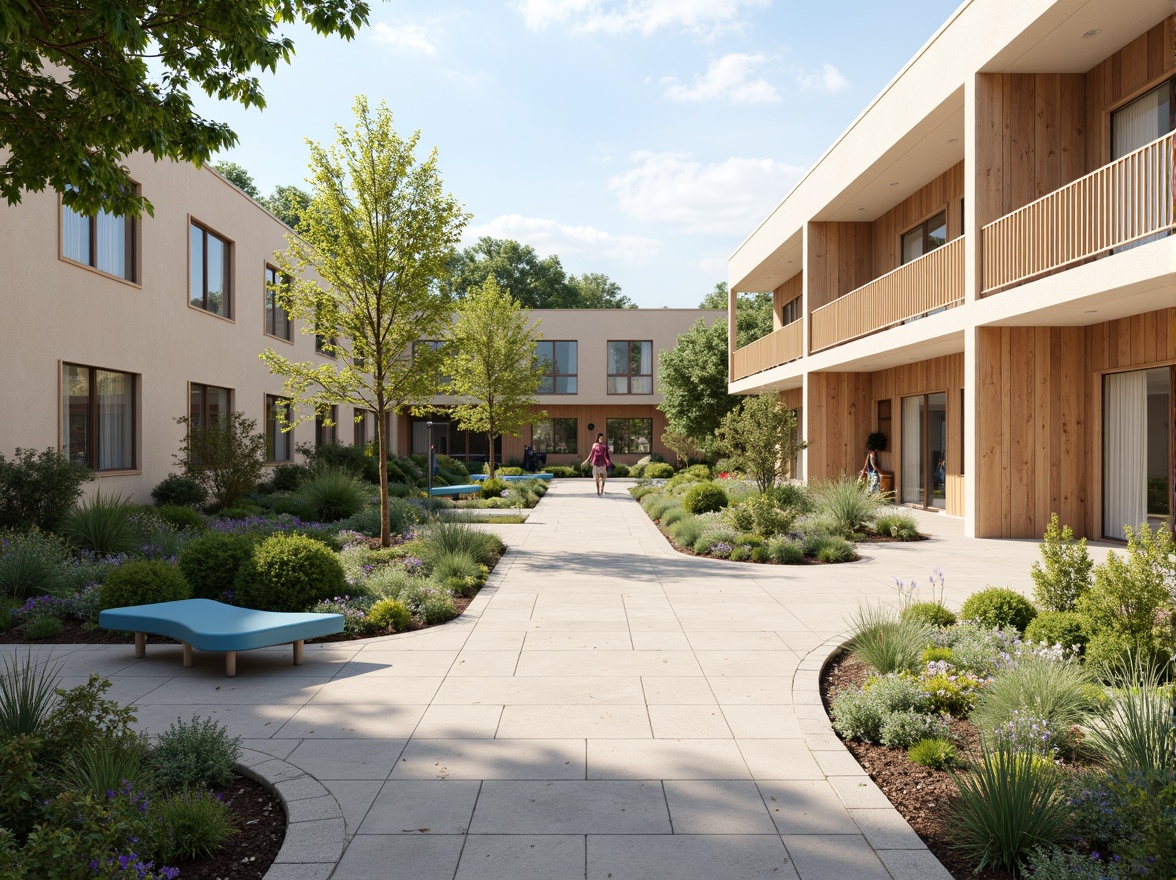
x,y
716,265
827,79
407,37
728,197
728,77
551,237
635,16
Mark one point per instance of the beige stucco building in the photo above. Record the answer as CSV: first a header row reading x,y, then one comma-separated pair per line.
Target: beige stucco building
x,y
982,268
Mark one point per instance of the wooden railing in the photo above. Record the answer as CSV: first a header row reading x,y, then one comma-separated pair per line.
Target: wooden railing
x,y
776,348
1119,203
933,281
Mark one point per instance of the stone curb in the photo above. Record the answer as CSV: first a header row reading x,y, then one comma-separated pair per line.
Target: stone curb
x,y
314,821
900,850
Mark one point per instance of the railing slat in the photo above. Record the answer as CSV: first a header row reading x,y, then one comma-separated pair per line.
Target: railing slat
x,y
776,348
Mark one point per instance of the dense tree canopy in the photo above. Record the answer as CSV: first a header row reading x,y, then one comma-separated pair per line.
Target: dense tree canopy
x,y
288,203
753,313
84,83
692,377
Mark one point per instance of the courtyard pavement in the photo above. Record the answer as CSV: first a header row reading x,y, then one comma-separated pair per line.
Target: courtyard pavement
x,y
606,709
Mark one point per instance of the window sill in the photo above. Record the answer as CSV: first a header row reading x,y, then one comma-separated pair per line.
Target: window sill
x,y
203,311
115,472
279,338
135,284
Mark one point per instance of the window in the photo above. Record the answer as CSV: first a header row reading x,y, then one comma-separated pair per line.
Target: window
x,y
359,435
630,367
208,271
559,365
554,435
103,242
925,238
325,427
629,435
277,322
790,313
207,403
325,345
278,443
98,417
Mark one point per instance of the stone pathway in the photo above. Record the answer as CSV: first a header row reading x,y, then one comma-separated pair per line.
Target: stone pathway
x,y
607,709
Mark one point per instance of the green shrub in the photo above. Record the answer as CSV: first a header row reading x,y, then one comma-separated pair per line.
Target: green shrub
x,y
181,517
900,526
950,692
786,551
933,613
740,553
686,532
762,515
885,641
1056,863
195,754
761,553
1050,690
699,471
337,456
673,515
793,496
847,505
830,548
856,715
935,752
1063,628
933,654
37,489
704,498
83,714
332,493
176,490
191,824
1063,575
143,583
31,564
226,456
656,505
22,784
235,513
977,648
620,471
287,477
999,607
905,728
401,514
390,614
105,764
43,627
288,572
210,562
435,607
493,488
658,470
1010,804
26,695
103,524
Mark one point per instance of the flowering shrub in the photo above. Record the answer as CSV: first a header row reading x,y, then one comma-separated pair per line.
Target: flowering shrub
x,y
949,691
354,611
1029,734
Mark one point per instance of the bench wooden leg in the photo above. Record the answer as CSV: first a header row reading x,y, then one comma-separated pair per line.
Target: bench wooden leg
x,y
230,663
187,654
298,649
140,645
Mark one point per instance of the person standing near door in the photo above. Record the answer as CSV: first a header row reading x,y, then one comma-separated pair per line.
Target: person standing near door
x,y
870,472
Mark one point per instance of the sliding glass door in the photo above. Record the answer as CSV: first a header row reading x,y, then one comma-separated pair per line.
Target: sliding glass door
x,y
924,451
1138,454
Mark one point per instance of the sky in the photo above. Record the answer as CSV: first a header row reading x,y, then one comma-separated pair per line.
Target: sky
x,y
644,139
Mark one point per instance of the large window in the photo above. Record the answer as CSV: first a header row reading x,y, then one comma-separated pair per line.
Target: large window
x,y
278,443
559,359
207,403
630,367
98,417
924,450
103,242
326,429
1139,456
925,237
277,322
629,435
359,436
554,435
208,271
790,312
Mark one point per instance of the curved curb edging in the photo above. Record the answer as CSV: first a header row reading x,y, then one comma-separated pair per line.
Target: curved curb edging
x,y
315,829
900,850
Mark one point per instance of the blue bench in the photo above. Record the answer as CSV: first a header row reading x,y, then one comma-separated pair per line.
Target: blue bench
x,y
215,626
511,478
466,489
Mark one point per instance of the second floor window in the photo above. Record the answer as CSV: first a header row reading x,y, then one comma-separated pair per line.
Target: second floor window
x,y
208,271
925,237
559,366
277,322
207,404
790,313
630,367
103,242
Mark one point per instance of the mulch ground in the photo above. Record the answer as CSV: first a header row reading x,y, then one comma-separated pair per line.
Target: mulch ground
x,y
923,797
248,854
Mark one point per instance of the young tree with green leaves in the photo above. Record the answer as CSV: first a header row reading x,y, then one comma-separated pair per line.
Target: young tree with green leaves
x,y
760,436
83,84
494,363
225,457
366,276
692,377
753,313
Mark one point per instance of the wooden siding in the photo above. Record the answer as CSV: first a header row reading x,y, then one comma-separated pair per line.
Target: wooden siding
x,y
1139,65
944,193
838,418
839,260
785,293
778,347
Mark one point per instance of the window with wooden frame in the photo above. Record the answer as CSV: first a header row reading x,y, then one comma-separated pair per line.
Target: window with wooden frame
x,y
557,436
326,429
277,322
924,238
629,435
359,434
103,242
209,271
98,421
790,312
278,443
559,359
630,367
207,404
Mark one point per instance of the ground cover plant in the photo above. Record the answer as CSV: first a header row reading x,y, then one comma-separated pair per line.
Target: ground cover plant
x,y
1013,753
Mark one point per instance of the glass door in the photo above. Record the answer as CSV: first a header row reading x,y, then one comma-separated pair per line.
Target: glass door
x,y
1139,462
924,451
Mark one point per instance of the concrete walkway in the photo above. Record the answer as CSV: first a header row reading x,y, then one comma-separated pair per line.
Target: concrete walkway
x,y
607,709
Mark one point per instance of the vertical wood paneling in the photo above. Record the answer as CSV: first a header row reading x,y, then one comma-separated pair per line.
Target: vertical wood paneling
x,y
838,416
840,259
942,193
785,293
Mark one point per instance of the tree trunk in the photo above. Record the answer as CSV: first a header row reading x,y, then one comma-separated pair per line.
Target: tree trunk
x,y
490,453
382,451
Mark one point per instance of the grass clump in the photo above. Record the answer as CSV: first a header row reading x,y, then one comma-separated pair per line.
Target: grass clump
x,y
103,524
847,505
887,642
27,695
31,564
1054,691
935,752
1135,730
897,525
191,824
330,494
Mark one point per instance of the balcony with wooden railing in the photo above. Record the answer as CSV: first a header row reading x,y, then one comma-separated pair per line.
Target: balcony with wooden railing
x,y
779,347
1121,203
932,282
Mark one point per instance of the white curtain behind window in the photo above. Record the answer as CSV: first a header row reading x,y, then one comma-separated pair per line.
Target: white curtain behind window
x,y
75,235
912,450
1140,122
1124,452
112,244
115,420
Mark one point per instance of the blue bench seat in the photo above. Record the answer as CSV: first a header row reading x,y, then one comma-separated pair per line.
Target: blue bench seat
x,y
466,489
215,626
511,478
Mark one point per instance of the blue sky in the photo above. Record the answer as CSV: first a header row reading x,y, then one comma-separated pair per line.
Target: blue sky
x,y
639,138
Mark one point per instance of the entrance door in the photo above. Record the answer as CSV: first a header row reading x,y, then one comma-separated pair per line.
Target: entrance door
x,y
924,451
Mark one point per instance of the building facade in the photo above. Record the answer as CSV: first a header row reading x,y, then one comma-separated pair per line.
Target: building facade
x,y
602,379
982,268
